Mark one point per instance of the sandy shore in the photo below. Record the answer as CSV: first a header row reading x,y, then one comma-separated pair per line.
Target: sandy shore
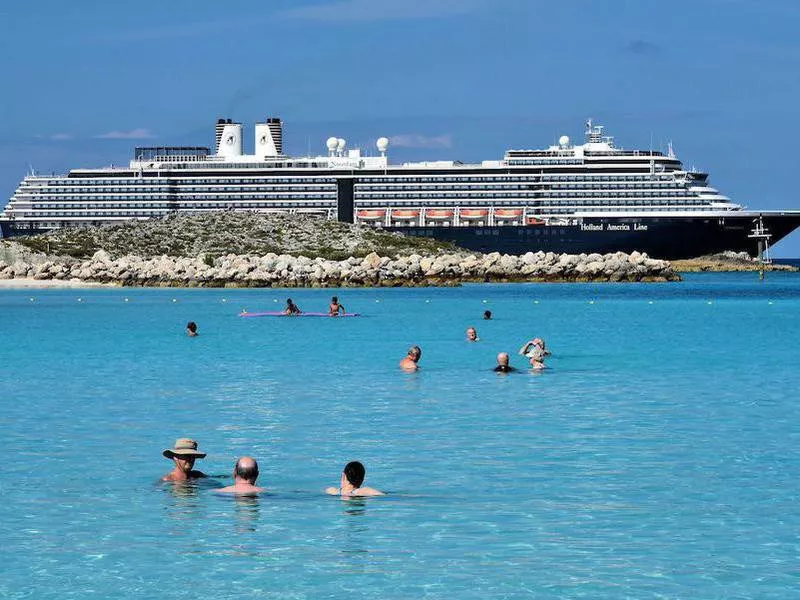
x,y
49,284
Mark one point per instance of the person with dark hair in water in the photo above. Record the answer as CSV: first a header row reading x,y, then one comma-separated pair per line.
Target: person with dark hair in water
x,y
350,485
291,308
245,474
409,363
335,307
487,315
502,364
191,329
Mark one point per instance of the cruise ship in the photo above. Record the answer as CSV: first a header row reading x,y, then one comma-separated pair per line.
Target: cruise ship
x,y
588,197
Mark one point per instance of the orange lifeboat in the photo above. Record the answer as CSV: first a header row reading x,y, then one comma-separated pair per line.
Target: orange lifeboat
x,y
507,213
535,221
372,214
405,215
473,214
439,214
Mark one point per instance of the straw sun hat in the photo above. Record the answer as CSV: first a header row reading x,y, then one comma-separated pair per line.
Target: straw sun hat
x,y
184,448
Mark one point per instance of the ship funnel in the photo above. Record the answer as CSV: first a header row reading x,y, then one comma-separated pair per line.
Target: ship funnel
x,y
230,144
269,138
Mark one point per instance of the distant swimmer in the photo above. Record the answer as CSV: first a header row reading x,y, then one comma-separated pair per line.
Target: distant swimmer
x,y
487,315
335,308
352,478
291,308
502,364
537,359
472,334
183,455
409,363
191,329
245,474
534,346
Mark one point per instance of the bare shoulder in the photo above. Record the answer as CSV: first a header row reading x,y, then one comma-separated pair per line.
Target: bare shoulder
x,y
333,491
367,491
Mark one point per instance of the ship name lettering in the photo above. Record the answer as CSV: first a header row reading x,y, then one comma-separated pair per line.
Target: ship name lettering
x,y
639,227
619,227
591,227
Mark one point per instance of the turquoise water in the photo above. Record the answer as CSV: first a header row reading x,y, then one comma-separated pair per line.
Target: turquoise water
x,y
658,458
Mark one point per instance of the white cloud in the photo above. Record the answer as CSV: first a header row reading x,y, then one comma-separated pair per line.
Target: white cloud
x,y
416,140
381,10
140,133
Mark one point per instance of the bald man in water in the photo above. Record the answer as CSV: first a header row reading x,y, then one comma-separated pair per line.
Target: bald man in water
x,y
245,474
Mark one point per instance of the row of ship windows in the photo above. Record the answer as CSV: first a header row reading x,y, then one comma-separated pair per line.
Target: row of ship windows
x,y
73,181
47,210
54,189
503,186
530,195
117,198
680,204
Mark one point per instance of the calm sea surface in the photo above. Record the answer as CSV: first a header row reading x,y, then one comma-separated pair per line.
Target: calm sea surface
x,y
657,458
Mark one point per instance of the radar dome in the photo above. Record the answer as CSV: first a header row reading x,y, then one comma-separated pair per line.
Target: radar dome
x,y
332,143
382,144
340,144
564,140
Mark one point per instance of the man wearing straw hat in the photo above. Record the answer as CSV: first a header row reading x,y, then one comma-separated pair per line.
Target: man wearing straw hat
x,y
183,455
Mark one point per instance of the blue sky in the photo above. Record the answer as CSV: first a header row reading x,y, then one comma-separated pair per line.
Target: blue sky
x,y
85,81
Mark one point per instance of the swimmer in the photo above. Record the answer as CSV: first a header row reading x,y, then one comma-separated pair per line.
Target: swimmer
x,y
291,308
335,307
352,478
472,335
191,329
245,474
537,360
183,455
535,345
502,364
409,363
487,315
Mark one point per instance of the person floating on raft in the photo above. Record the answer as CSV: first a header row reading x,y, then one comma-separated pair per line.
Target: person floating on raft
x,y
291,308
335,308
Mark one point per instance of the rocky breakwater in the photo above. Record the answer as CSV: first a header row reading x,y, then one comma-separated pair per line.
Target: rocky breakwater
x,y
283,270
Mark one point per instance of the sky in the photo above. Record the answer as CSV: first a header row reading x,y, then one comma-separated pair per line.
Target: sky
x,y
86,81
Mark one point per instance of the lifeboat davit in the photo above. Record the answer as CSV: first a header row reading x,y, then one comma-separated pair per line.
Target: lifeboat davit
x,y
372,214
439,214
405,215
473,214
507,213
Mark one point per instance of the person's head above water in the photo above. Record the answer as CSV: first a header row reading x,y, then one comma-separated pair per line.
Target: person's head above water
x,y
487,314
415,353
354,473
191,328
183,455
335,300
289,301
246,470
502,359
472,334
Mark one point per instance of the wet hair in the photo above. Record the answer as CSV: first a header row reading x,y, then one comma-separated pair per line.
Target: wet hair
x,y
487,314
416,351
335,300
289,301
248,472
191,326
355,472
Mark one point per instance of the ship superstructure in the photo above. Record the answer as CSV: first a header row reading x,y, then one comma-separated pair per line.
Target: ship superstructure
x,y
584,197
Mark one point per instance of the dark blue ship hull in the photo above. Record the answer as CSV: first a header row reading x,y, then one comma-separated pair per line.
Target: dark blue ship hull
x,y
659,237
